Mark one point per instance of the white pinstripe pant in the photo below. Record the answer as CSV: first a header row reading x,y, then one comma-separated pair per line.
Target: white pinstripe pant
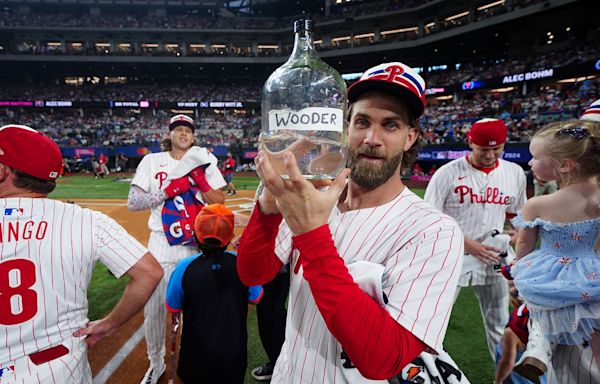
x,y
573,364
70,368
155,313
493,303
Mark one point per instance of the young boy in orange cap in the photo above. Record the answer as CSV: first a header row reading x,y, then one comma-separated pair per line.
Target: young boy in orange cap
x,y
206,287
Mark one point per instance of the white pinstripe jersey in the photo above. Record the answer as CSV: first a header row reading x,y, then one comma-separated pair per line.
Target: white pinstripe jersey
x,y
151,175
420,250
478,201
48,250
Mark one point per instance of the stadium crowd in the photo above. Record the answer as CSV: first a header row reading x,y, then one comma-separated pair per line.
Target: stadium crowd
x,y
117,19
498,66
448,121
445,122
172,92
208,18
193,20
71,128
485,68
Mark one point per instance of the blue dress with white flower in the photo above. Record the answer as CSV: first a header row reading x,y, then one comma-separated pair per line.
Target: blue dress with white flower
x,y
560,281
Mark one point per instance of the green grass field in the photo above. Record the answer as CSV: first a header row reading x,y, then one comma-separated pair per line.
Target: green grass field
x,y
113,187
465,340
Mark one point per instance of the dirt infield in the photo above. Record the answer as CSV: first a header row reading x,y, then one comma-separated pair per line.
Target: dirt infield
x,y
134,364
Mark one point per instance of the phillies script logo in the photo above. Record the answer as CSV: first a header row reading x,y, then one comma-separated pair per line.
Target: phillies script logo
x,y
492,196
392,72
160,176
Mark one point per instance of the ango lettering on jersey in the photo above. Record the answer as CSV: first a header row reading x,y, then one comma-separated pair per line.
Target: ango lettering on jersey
x,y
16,230
491,196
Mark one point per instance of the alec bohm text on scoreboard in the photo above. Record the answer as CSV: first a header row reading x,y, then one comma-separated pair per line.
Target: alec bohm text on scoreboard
x,y
584,69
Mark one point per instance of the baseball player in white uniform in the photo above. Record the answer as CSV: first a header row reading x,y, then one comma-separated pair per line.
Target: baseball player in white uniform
x,y
478,190
48,250
150,187
373,266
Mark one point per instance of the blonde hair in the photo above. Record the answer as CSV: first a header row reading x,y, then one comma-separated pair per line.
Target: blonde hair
x,y
576,140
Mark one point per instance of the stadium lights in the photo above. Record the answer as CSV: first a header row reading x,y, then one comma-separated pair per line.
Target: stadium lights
x,y
352,76
197,45
172,45
124,45
458,15
150,45
576,80
430,25
267,46
568,29
490,5
501,90
53,44
392,31
218,46
442,98
102,45
317,42
336,39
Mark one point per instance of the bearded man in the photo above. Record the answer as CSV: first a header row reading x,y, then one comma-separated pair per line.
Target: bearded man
x,y
373,266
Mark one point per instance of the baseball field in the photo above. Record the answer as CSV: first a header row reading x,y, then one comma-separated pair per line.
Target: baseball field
x,y
121,357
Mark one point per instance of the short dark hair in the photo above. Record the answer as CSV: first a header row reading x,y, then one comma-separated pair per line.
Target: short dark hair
x,y
31,183
211,247
411,155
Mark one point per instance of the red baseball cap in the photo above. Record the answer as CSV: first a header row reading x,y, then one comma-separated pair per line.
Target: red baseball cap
x,y
181,120
29,151
487,132
214,221
395,78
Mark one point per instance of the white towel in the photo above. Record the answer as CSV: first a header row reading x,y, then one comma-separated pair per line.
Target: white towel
x,y
500,241
194,157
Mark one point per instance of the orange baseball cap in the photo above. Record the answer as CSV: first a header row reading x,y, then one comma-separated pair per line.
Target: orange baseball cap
x,y
214,221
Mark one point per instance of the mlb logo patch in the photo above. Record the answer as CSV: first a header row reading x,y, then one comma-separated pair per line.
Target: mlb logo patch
x,y
13,212
7,371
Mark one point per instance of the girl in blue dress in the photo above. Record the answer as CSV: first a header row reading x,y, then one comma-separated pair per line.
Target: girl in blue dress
x,y
560,280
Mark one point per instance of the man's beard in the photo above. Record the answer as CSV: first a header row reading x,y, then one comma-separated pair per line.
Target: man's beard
x,y
370,175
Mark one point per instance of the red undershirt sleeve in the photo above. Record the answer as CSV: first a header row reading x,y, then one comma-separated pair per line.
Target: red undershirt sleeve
x,y
376,344
257,263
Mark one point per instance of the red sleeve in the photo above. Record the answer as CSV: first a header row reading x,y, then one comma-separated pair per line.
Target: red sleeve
x,y
257,263
378,346
509,216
